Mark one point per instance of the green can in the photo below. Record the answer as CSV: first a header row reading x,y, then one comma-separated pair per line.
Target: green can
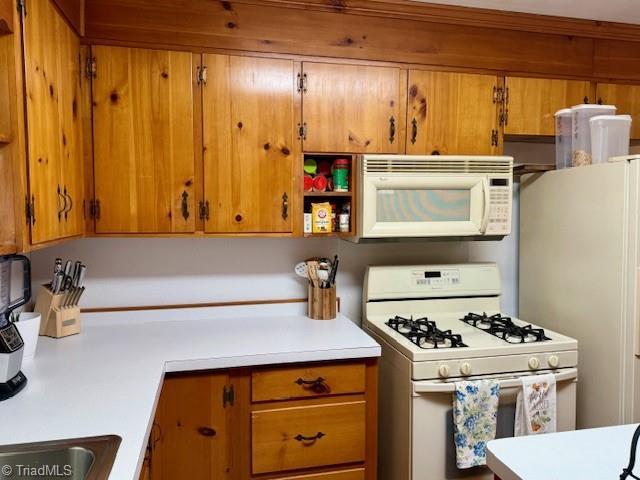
x,y
341,175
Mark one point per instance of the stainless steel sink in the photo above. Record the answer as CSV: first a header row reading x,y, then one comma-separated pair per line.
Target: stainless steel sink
x,y
76,459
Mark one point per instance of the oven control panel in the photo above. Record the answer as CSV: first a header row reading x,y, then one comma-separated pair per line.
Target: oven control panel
x,y
499,206
436,278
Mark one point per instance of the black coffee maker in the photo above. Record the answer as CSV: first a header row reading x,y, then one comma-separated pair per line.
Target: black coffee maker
x,y
12,380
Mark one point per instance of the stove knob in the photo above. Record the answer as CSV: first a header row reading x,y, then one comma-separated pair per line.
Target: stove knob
x,y
465,368
444,371
553,361
534,363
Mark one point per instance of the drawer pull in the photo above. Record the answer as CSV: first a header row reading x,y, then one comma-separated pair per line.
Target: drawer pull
x,y
302,438
316,386
206,431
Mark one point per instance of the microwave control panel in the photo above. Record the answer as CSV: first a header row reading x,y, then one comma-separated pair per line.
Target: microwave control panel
x,y
500,192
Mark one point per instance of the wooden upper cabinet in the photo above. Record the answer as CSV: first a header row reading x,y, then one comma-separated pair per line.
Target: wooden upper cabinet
x,y
54,129
530,103
626,98
144,161
250,109
352,109
452,114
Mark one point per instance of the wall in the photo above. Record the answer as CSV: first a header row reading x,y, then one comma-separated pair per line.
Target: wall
x,y
155,271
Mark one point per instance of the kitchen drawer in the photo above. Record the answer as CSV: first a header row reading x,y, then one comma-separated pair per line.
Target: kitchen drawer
x,y
307,381
307,436
351,474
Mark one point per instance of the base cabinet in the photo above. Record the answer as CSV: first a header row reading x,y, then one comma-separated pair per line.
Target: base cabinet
x,y
229,425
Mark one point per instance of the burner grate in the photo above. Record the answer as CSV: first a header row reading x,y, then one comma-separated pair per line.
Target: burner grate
x,y
424,333
505,329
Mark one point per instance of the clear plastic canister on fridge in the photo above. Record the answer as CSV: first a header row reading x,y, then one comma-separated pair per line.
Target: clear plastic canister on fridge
x,y
581,141
609,136
564,120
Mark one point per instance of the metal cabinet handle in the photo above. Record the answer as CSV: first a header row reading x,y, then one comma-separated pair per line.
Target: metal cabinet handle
x,y
207,431
285,206
317,386
67,196
185,205
392,129
302,438
64,206
585,99
414,130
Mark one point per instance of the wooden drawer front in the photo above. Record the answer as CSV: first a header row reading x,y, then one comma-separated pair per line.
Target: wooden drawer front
x,y
311,381
353,474
277,443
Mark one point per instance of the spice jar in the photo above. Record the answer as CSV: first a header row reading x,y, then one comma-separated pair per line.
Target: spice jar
x,y
341,175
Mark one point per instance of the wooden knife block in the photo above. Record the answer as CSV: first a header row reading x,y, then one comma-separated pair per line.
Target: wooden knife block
x,y
57,321
322,303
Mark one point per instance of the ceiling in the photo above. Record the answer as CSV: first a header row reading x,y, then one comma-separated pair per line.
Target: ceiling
x,y
625,11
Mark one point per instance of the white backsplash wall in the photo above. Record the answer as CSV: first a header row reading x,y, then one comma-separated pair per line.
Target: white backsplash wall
x,y
156,271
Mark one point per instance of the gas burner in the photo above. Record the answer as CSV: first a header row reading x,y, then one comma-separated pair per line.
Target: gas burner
x,y
424,333
504,328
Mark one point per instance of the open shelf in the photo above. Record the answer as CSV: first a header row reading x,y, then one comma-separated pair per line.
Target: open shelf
x,y
328,194
520,169
332,234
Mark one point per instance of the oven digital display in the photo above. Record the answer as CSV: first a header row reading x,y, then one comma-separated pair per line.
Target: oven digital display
x,y
436,278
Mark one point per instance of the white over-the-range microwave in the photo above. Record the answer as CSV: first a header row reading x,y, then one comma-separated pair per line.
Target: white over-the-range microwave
x,y
415,196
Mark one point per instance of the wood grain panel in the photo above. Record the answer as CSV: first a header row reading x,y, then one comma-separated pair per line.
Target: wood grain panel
x,y
616,59
73,11
349,108
626,98
289,382
249,144
284,29
274,432
532,103
189,403
453,113
351,474
7,11
7,214
143,140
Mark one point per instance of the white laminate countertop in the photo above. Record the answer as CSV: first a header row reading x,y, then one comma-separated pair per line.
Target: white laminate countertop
x,y
590,454
107,379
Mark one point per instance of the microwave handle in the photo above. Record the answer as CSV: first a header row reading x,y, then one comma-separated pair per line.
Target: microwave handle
x,y
487,201
510,382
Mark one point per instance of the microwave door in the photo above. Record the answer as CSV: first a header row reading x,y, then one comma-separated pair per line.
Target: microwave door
x,y
424,206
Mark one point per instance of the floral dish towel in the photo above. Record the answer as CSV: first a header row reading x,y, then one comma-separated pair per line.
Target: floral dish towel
x,y
475,411
536,405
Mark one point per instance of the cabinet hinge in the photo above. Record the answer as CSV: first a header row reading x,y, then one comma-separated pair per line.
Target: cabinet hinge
x,y
498,94
21,7
91,67
302,131
204,210
494,138
94,209
30,209
228,396
302,82
201,74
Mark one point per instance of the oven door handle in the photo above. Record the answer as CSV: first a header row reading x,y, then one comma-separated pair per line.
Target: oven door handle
x,y
505,382
487,206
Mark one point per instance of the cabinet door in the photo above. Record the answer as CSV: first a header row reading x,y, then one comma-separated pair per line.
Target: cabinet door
x,y
349,108
452,114
143,141
193,429
250,145
626,98
52,77
531,103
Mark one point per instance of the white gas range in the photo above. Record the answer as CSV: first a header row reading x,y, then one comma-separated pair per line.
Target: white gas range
x,y
438,324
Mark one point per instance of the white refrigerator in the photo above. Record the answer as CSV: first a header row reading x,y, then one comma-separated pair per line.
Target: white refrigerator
x,y
579,275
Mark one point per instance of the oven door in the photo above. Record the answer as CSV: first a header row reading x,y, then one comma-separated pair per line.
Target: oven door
x,y
424,205
432,445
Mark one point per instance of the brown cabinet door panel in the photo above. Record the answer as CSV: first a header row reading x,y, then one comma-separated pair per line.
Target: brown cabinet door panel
x,y
451,114
143,141
191,440
250,144
54,136
351,108
626,98
532,102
